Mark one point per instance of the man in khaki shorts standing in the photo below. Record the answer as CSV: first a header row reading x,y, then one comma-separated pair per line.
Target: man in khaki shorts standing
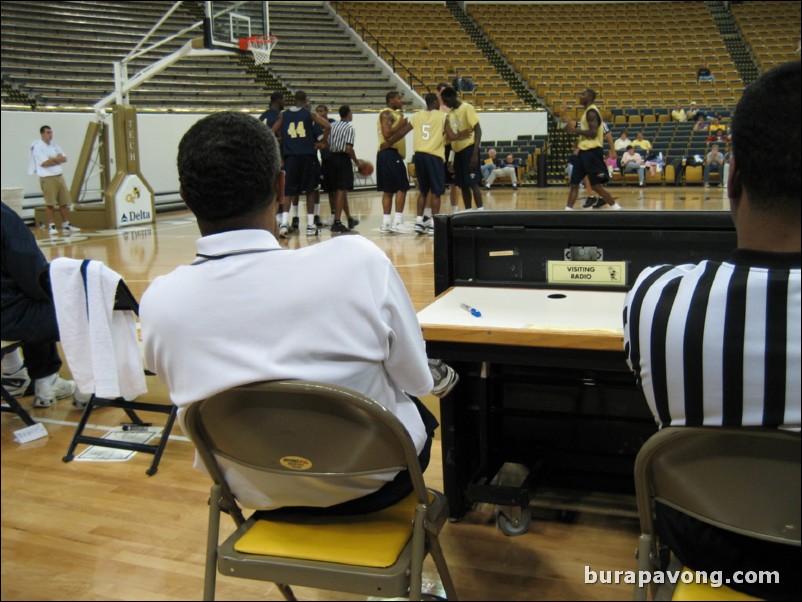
x,y
46,160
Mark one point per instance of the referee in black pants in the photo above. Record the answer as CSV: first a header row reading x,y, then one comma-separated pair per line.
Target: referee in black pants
x,y
340,171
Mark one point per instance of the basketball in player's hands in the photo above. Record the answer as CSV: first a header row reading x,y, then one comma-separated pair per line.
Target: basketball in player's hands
x,y
365,168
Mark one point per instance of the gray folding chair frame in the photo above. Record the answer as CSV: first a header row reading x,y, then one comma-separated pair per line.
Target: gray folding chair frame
x,y
347,434
744,480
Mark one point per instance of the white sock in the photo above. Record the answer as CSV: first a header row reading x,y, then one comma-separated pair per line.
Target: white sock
x,y
12,362
569,208
44,385
386,219
454,209
399,218
616,207
427,212
284,217
419,219
310,220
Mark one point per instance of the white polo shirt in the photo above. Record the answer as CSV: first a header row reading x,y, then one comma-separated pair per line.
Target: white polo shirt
x,y
41,152
336,312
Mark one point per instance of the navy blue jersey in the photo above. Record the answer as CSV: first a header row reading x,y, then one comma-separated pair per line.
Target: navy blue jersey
x,y
270,117
297,132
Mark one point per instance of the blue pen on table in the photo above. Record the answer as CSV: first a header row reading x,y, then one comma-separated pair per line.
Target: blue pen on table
x,y
471,310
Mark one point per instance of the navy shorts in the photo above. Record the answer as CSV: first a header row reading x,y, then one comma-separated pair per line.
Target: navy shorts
x,y
464,174
590,163
300,174
340,174
430,173
391,172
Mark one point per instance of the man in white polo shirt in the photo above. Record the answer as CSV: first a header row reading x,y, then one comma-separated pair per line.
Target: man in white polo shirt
x,y
46,160
256,295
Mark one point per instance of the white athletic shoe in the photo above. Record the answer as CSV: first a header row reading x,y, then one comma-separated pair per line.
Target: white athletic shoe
x,y
50,388
399,228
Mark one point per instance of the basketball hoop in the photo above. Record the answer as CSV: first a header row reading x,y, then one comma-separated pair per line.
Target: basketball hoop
x,y
260,47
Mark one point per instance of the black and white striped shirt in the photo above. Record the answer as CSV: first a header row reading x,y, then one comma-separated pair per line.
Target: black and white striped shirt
x,y
341,135
718,344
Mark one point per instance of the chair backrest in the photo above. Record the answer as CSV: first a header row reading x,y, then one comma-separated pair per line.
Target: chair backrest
x,y
301,428
743,480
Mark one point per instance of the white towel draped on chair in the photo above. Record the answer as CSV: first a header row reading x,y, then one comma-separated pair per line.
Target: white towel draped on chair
x,y
99,343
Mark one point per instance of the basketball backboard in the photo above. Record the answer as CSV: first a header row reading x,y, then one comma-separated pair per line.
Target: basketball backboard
x,y
225,23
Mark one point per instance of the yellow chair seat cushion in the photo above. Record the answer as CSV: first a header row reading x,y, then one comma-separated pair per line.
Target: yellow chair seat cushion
x,y
704,591
372,540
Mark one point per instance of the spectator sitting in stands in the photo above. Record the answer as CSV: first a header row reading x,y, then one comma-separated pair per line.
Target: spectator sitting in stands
x,y
719,136
717,125
633,162
462,84
692,112
623,142
678,114
641,143
701,124
704,74
508,168
490,164
714,162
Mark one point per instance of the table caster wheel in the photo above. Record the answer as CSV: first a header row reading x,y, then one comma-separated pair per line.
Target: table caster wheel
x,y
511,526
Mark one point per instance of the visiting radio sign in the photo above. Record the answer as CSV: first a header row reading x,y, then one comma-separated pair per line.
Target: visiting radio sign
x,y
134,203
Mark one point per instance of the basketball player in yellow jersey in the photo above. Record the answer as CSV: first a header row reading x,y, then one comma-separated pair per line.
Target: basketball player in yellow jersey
x,y
391,171
450,182
431,130
463,119
590,160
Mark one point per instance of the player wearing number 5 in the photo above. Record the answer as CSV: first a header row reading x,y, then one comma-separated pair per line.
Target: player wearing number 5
x,y
294,127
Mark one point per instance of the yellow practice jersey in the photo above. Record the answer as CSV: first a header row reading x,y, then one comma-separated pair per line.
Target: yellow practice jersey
x,y
429,133
395,116
462,118
598,141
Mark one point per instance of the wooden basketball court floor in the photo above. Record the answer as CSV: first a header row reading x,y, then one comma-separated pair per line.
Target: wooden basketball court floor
x,y
107,531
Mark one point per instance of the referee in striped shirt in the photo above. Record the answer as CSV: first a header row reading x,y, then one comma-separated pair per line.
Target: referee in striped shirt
x,y
718,344
340,173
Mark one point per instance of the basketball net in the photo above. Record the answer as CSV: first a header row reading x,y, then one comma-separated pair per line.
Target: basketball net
x,y
260,47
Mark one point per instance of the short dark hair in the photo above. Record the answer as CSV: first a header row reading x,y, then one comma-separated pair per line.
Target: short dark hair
x,y
43,128
630,147
591,93
441,85
390,95
276,96
449,92
300,96
227,166
771,179
344,111
431,99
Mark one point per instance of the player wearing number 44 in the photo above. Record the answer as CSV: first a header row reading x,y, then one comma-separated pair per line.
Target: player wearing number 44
x,y
294,127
